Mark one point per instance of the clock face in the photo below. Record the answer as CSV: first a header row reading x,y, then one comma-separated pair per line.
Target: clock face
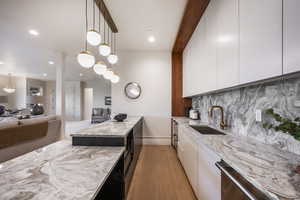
x,y
133,90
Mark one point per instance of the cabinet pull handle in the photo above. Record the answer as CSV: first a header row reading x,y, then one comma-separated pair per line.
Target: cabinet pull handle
x,y
236,182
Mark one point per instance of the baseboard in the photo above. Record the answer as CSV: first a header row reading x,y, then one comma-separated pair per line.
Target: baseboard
x,y
156,140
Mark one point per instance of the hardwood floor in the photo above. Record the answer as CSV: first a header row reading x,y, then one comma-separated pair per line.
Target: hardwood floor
x,y
159,176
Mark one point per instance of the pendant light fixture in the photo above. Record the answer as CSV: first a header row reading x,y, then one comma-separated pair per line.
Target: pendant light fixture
x,y
85,58
93,37
9,89
113,58
108,74
100,68
104,48
115,78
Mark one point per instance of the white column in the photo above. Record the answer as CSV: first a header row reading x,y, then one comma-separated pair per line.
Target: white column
x,y
60,91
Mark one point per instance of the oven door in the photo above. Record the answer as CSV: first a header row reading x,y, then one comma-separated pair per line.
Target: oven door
x,y
174,135
236,187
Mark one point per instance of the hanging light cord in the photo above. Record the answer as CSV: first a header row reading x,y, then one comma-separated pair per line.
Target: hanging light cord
x,y
104,27
112,41
94,14
115,41
100,20
86,24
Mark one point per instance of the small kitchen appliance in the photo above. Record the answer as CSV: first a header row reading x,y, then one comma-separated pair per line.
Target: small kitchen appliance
x,y
194,114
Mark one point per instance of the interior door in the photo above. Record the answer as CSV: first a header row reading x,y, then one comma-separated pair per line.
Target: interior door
x,y
88,103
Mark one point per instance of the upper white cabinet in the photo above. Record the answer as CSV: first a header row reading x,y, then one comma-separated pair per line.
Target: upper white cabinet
x,y
209,67
227,44
291,35
260,39
199,56
242,41
193,60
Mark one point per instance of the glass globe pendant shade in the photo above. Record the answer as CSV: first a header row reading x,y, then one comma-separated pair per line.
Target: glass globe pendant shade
x,y
104,49
108,74
86,59
115,79
93,37
100,68
9,90
112,59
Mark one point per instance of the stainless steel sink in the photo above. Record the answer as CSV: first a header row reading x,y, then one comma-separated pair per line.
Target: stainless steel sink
x,y
206,130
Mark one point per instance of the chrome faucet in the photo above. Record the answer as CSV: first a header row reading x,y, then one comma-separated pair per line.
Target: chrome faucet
x,y
222,123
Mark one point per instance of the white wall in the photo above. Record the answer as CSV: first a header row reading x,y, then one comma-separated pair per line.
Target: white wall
x,y
101,88
152,70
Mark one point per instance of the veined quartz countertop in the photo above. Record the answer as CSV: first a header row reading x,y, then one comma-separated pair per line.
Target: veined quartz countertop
x,y
270,169
58,171
109,128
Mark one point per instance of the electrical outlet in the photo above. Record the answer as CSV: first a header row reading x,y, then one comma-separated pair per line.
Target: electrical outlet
x,y
258,115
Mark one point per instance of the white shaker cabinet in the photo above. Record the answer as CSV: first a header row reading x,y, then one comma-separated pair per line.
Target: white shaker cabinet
x,y
291,36
228,44
260,39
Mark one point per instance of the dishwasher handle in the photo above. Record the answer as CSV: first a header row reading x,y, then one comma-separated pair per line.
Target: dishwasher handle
x,y
222,166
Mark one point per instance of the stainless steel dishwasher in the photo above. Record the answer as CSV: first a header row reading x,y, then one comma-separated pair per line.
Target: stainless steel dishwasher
x,y
236,187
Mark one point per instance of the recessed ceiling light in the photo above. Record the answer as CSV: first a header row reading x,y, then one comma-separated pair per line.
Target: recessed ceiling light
x,y
1,166
1,63
151,39
33,32
44,74
80,74
51,62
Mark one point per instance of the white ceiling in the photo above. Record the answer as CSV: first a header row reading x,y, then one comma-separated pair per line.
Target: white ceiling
x,y
139,19
61,27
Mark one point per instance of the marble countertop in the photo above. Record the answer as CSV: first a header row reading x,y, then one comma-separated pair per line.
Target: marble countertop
x,y
269,169
58,171
110,128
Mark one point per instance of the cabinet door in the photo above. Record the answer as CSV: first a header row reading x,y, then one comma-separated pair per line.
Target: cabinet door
x,y
193,61
181,146
260,39
291,33
192,163
209,176
228,44
208,70
199,56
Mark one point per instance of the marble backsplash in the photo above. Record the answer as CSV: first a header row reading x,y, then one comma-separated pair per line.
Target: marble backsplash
x,y
240,106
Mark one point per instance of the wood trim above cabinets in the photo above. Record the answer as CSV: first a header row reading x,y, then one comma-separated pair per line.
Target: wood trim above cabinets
x,y
178,102
193,12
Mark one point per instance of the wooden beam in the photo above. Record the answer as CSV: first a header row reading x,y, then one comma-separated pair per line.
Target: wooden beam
x,y
105,12
192,15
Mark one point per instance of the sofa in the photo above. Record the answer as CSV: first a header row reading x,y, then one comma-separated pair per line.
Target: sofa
x,y
18,137
100,115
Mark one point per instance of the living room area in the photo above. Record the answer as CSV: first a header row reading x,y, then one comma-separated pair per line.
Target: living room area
x,y
88,102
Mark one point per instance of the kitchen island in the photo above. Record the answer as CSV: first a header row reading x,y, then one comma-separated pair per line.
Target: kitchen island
x,y
128,133
60,171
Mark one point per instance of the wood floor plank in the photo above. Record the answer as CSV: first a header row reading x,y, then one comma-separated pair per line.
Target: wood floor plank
x,y
159,176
